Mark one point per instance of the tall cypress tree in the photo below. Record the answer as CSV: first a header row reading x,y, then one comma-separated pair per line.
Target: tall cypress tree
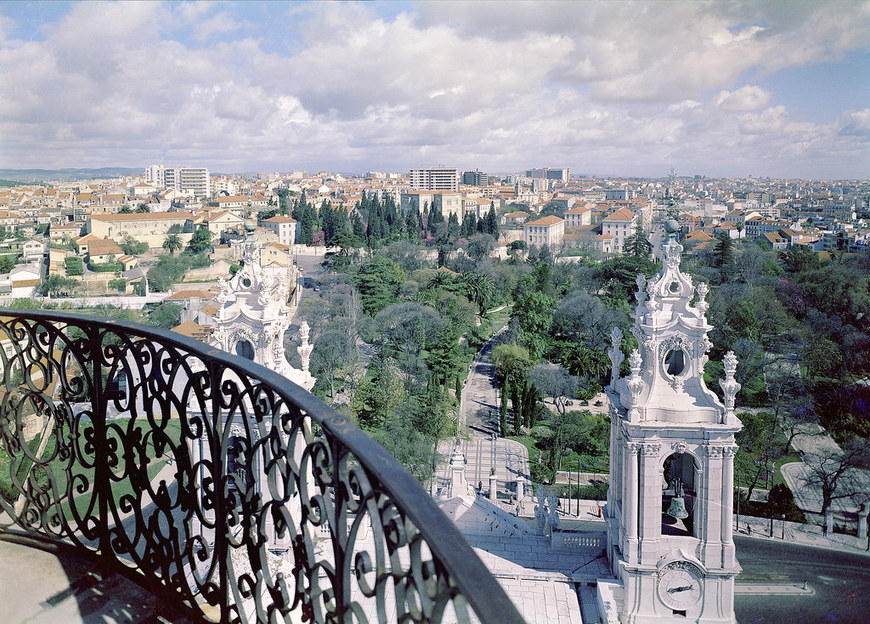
x,y
492,221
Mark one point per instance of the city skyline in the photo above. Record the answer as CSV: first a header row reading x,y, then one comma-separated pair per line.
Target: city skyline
x,y
630,88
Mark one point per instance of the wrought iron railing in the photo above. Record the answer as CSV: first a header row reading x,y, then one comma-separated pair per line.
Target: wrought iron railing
x,y
219,482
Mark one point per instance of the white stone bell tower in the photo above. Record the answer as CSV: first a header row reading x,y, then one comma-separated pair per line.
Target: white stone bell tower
x,y
669,513
254,316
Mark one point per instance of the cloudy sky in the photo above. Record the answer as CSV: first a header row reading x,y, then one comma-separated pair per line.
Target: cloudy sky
x,y
720,88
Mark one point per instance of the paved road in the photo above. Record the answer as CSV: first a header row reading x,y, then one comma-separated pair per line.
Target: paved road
x,y
479,400
840,583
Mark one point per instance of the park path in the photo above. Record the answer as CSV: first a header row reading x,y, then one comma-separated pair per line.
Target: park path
x,y
479,402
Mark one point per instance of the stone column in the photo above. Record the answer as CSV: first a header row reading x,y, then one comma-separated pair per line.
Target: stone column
x,y
630,499
650,500
493,491
717,484
520,493
727,528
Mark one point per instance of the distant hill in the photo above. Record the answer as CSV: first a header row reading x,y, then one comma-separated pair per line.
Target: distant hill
x,y
66,175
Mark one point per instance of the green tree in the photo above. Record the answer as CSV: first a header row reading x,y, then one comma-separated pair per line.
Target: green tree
x,y
533,312
377,396
723,254
554,381
491,222
133,247
584,319
378,281
512,364
200,241
57,286
172,243
125,209
143,208
637,245
480,289
331,352
166,315
443,357
7,263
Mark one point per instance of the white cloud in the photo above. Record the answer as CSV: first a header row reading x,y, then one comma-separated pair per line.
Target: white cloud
x,y
744,99
855,123
600,86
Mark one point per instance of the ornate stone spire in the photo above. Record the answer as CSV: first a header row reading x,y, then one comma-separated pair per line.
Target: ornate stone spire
x,y
667,382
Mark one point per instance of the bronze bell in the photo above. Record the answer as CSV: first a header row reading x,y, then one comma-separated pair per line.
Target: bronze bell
x,y
678,508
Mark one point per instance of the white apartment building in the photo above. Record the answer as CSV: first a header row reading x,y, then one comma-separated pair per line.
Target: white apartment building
x,y
284,228
223,184
578,217
544,231
619,225
435,179
191,181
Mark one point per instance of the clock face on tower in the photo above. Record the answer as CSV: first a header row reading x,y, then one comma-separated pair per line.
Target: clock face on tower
x,y
679,585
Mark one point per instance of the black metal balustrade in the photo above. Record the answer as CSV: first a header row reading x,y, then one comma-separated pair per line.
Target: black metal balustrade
x,y
218,482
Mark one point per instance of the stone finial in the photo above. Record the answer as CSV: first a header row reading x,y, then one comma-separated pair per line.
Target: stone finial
x,y
223,292
702,304
729,385
616,356
635,361
304,349
652,305
635,384
640,295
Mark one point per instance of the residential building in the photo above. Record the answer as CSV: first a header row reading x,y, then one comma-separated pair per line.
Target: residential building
x,y
619,225
32,250
150,227
435,179
578,216
191,181
547,173
544,231
219,221
410,201
449,203
475,178
284,228
619,194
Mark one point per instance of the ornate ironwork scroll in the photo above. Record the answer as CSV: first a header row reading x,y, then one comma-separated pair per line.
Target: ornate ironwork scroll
x,y
219,482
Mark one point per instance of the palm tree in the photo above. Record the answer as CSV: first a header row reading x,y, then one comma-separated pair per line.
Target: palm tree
x,y
172,243
479,288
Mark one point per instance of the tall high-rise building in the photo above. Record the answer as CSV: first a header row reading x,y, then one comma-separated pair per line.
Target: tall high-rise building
x,y
435,179
475,178
548,174
193,181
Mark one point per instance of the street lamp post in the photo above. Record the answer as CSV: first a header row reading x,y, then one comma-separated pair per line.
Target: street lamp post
x,y
783,526
769,498
738,506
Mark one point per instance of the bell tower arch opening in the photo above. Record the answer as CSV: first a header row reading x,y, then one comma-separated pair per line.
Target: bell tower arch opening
x,y
680,479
